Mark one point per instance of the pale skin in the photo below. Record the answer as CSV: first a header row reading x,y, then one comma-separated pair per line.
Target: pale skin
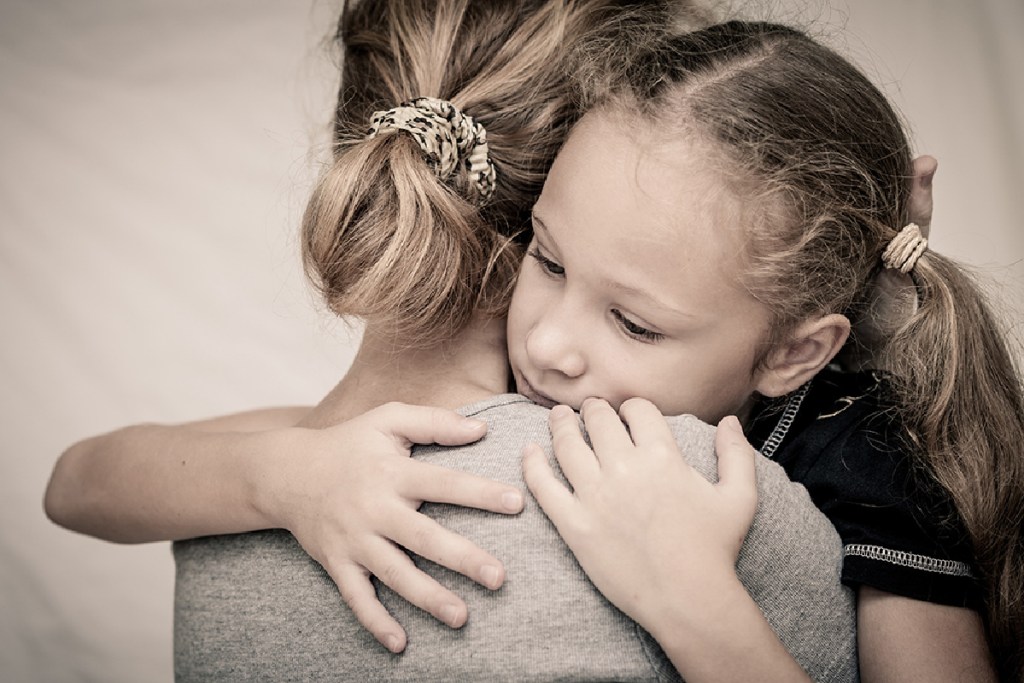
x,y
255,501
673,504
348,505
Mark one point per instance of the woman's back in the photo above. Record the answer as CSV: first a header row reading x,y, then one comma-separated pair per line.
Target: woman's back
x,y
255,606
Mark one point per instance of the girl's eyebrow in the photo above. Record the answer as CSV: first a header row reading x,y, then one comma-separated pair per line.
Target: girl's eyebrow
x,y
649,297
630,290
549,242
538,223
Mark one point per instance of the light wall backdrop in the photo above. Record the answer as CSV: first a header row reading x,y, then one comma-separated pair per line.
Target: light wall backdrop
x,y
154,161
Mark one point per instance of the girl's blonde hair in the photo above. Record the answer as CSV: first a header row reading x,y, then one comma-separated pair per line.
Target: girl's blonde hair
x,y
818,148
383,237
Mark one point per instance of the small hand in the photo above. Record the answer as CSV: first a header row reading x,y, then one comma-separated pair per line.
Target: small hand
x,y
350,495
921,192
895,296
642,522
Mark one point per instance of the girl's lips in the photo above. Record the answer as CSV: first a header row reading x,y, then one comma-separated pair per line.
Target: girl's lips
x,y
527,390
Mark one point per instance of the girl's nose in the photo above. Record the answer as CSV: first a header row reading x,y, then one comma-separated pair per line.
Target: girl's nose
x,y
553,345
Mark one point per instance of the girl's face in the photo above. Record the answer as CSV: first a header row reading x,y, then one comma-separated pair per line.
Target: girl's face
x,y
630,284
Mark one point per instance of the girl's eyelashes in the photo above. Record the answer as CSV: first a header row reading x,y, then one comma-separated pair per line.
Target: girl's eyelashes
x,y
636,331
632,329
547,264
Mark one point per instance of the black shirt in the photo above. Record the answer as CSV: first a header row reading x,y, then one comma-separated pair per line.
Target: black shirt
x,y
840,437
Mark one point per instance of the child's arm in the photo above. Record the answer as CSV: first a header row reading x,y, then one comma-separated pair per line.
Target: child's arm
x,y
161,482
691,600
348,493
901,639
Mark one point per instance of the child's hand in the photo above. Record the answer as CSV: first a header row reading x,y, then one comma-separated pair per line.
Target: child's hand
x,y
644,525
350,494
921,192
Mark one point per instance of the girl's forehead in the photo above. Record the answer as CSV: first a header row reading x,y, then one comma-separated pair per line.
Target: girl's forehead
x,y
644,184
626,206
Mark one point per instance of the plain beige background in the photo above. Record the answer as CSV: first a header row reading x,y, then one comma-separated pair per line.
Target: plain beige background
x,y
154,161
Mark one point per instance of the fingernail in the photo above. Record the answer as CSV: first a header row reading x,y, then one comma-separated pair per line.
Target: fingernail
x,y
926,180
450,615
512,500
731,422
393,643
472,425
490,575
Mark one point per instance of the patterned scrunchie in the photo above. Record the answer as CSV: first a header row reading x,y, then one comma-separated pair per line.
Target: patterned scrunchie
x,y
445,135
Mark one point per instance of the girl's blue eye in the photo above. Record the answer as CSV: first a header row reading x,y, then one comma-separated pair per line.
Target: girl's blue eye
x,y
636,331
547,264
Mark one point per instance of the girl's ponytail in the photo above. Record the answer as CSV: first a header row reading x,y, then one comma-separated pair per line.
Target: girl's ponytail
x,y
958,387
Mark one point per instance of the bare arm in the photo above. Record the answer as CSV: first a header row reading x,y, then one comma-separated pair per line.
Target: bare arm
x,y
258,420
900,639
349,494
161,482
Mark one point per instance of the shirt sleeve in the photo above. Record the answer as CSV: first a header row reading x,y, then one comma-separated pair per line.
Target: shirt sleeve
x,y
899,528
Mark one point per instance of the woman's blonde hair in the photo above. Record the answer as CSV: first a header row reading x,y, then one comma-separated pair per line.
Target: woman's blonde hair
x,y
809,139
384,238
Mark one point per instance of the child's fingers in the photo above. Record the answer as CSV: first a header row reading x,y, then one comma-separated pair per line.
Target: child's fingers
x,y
398,572
358,593
428,482
921,192
554,499
422,424
607,433
428,539
574,456
647,426
735,458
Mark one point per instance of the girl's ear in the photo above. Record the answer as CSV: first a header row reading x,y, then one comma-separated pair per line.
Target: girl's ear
x,y
810,347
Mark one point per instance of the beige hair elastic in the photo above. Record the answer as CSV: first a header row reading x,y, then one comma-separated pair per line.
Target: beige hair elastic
x,y
905,249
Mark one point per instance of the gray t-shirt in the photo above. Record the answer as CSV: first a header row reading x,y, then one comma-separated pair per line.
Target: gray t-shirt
x,y
252,607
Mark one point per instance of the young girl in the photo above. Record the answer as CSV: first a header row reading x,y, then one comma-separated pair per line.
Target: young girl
x,y
703,285
743,343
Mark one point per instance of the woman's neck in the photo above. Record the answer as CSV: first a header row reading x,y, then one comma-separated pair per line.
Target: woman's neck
x,y
469,368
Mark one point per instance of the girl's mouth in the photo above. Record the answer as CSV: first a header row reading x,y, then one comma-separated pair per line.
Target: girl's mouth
x,y
527,390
